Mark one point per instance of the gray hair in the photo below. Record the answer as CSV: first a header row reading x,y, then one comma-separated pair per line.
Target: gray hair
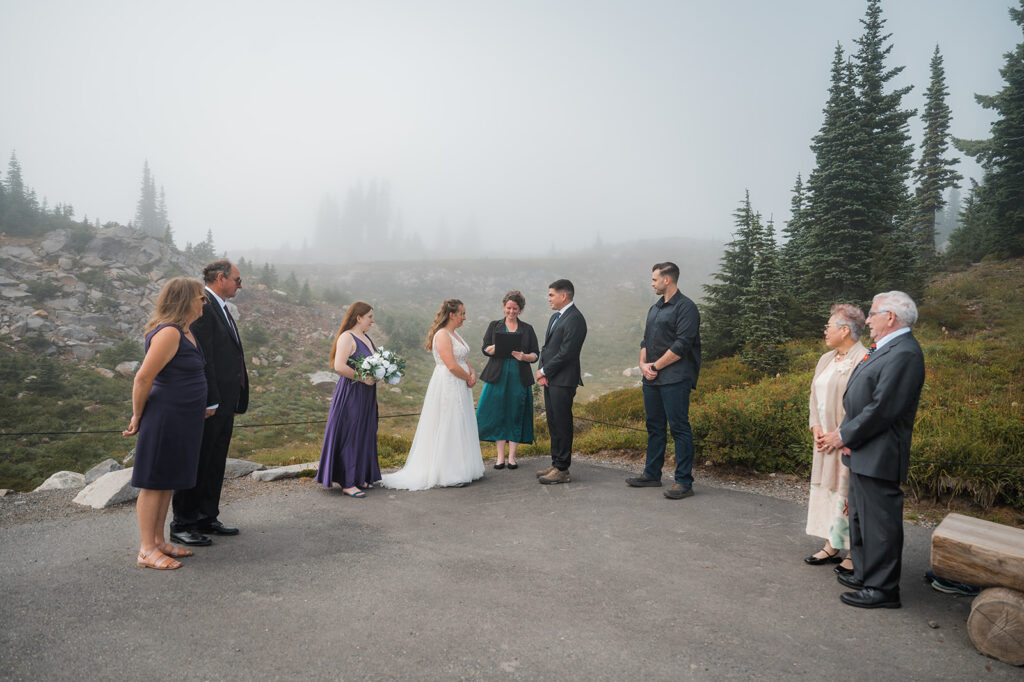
x,y
900,305
851,317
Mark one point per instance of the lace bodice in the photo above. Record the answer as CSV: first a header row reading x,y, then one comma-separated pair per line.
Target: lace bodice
x,y
460,349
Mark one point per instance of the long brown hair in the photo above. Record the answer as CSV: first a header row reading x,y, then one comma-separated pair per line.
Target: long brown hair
x,y
448,308
352,315
174,304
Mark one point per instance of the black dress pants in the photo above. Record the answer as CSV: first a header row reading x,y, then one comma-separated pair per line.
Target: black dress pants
x,y
199,506
558,410
876,531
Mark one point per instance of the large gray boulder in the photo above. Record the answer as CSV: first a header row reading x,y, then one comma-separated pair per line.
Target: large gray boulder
x,y
108,490
323,378
62,480
236,468
127,368
104,467
291,471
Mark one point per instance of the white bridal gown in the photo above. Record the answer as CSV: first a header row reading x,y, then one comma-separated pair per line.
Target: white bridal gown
x,y
446,448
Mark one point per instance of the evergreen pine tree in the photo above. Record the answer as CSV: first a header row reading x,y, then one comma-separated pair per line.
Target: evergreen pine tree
x,y
1000,213
722,309
935,173
887,158
761,315
306,294
147,216
836,219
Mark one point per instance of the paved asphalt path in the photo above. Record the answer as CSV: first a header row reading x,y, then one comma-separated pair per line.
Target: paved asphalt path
x,y
503,579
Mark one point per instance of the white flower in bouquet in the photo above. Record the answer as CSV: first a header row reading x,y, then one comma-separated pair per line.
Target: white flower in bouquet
x,y
380,371
394,379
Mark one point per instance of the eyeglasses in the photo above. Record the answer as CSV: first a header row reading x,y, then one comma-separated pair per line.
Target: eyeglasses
x,y
202,298
236,280
878,312
837,325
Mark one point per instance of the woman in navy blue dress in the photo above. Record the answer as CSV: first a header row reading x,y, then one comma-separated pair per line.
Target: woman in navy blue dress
x,y
349,454
168,408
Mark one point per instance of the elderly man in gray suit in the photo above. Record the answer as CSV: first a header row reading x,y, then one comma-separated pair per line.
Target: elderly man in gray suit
x,y
881,403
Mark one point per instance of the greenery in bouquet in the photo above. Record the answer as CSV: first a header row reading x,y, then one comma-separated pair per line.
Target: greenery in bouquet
x,y
383,365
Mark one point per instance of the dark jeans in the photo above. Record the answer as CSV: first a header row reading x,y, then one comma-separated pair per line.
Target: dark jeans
x,y
199,506
558,409
669,403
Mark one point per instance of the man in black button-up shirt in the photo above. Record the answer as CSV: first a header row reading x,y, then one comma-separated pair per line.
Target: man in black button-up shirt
x,y
670,363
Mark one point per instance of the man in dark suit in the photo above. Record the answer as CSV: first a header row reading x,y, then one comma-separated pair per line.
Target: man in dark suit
x,y
196,510
560,375
881,403
670,363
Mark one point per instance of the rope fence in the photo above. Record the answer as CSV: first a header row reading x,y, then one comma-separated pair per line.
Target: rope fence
x,y
625,427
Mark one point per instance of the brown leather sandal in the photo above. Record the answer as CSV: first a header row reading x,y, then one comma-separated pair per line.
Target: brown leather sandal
x,y
175,551
158,560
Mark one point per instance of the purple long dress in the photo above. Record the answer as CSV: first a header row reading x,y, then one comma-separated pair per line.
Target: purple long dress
x,y
349,455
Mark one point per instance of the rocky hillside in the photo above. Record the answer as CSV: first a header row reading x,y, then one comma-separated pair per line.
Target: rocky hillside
x,y
71,299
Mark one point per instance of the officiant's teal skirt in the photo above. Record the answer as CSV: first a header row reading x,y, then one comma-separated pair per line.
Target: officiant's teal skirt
x,y
505,410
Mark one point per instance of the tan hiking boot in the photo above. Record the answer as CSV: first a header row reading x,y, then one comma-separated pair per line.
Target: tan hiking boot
x,y
545,472
677,492
555,476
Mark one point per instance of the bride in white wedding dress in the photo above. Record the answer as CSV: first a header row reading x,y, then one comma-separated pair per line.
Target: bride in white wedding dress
x,y
446,448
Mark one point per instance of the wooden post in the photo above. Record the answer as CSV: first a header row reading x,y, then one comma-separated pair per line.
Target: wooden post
x,y
996,624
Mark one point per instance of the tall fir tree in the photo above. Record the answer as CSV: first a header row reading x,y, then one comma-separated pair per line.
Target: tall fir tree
x,y
761,315
722,309
1000,214
887,159
837,214
935,172
147,210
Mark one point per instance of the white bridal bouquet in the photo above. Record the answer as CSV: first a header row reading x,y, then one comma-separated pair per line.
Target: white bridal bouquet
x,y
383,365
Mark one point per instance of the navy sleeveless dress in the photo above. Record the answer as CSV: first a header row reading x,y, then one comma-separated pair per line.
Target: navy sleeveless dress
x,y
349,455
171,428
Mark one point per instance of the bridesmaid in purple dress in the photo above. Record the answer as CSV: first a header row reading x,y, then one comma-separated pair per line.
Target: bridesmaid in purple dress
x,y
349,455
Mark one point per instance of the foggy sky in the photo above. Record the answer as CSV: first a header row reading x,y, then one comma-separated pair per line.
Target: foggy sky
x,y
541,122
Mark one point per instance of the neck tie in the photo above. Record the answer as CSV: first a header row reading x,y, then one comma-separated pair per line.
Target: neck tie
x,y
231,323
554,319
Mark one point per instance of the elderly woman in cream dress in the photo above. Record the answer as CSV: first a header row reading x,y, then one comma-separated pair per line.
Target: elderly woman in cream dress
x,y
828,515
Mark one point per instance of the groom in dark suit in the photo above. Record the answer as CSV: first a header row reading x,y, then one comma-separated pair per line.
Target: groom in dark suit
x,y
881,403
227,394
560,375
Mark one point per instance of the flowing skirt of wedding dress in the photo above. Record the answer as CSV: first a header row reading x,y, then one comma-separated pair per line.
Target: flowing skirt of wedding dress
x,y
446,448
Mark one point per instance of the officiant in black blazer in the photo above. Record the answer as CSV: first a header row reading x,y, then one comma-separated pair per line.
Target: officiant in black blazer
x,y
196,510
560,376
881,402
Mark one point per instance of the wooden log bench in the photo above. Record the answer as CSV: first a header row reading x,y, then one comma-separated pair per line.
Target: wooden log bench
x,y
991,556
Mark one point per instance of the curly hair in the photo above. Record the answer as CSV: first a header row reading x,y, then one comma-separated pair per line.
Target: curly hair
x,y
514,295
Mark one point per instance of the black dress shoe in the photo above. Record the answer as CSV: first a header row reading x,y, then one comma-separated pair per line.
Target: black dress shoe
x,y
830,559
512,467
190,537
870,598
218,528
499,466
850,581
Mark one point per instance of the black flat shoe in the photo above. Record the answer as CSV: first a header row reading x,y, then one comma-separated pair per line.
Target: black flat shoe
x,y
500,466
843,571
830,559
512,466
850,581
